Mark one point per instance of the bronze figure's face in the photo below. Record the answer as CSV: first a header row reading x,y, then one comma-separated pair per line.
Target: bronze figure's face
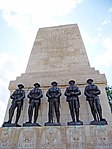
x,y
54,83
20,86
36,84
89,81
71,82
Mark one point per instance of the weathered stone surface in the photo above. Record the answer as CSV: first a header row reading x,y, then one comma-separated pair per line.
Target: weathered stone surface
x,y
58,137
59,54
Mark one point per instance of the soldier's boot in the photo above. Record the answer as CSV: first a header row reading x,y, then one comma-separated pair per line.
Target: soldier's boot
x,y
94,116
30,119
17,118
35,118
50,118
100,113
18,114
58,116
77,115
30,113
73,116
11,113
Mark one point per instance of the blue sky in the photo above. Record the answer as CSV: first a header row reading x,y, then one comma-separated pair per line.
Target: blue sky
x,y
19,23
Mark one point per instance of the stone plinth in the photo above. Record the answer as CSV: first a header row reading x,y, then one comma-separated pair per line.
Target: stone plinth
x,y
58,137
58,54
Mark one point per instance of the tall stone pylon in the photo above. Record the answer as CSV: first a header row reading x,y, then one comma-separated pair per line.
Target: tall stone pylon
x,y
58,54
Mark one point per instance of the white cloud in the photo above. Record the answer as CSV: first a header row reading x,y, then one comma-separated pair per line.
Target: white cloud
x,y
108,19
89,39
7,65
101,48
107,42
2,111
9,69
105,59
26,14
110,10
39,7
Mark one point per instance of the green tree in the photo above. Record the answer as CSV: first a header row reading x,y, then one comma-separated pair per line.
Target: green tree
x,y
109,95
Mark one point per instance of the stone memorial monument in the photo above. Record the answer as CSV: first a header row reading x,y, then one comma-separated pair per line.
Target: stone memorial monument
x,y
58,54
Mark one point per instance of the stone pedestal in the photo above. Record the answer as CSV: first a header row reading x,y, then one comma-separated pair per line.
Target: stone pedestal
x,y
58,137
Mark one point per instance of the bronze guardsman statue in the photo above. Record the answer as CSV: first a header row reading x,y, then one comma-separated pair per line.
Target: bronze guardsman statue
x,y
34,96
92,93
72,92
17,102
53,95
